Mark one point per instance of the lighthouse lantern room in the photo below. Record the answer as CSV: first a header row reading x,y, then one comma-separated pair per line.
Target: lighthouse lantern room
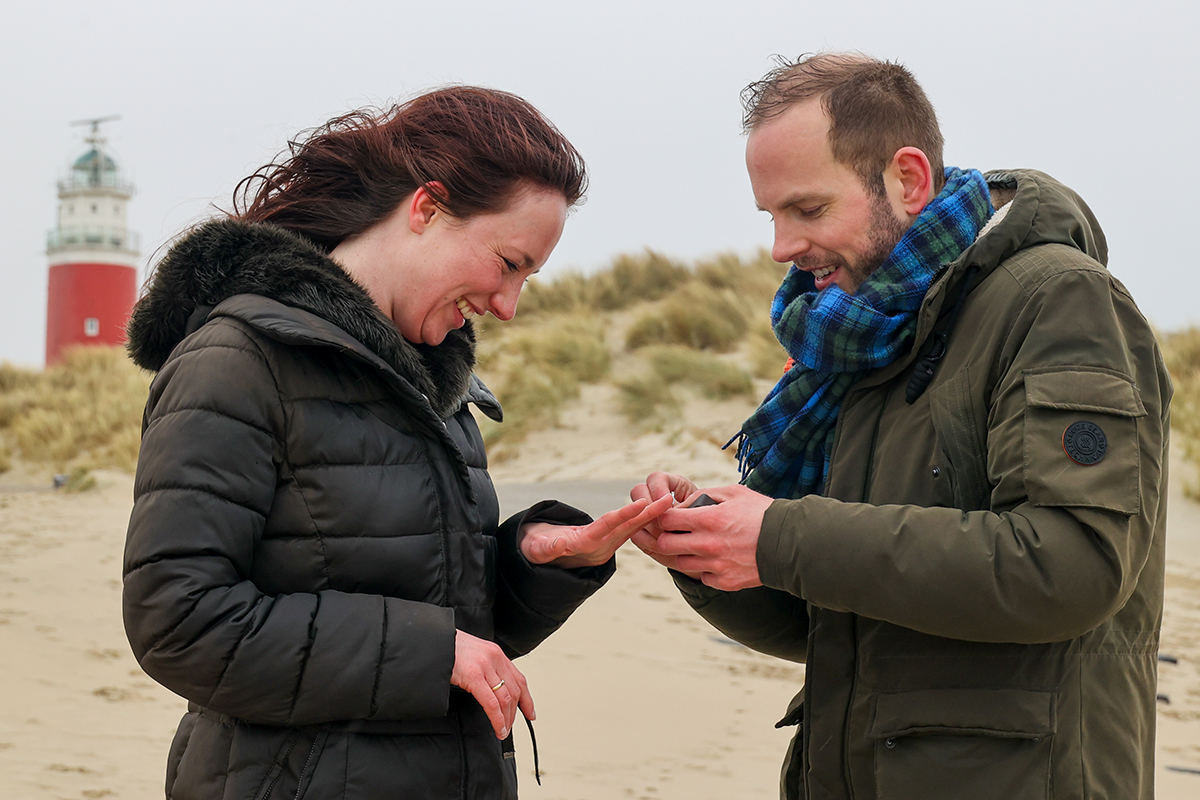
x,y
93,255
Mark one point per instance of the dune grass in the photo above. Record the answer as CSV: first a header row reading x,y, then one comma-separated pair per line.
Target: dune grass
x,y
536,368
558,341
701,329
628,281
697,316
85,412
1181,351
713,377
649,400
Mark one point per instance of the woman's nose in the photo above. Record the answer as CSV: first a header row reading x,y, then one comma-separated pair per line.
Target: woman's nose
x,y
504,302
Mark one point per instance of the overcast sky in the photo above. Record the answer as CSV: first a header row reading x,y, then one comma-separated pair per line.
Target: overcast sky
x,y
1103,95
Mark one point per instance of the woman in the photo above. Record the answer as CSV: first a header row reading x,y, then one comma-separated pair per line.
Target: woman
x,y
314,558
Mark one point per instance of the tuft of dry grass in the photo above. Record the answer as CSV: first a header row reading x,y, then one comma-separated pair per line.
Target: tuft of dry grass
x,y
84,412
648,402
718,305
755,280
698,316
534,369
710,375
1181,351
629,280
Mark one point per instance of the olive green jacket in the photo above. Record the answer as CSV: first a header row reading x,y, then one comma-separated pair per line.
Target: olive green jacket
x,y
978,606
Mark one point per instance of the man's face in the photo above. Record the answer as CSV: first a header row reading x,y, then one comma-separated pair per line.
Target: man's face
x,y
826,222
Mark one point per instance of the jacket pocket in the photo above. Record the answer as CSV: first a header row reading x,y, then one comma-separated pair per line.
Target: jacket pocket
x,y
963,743
292,767
1081,439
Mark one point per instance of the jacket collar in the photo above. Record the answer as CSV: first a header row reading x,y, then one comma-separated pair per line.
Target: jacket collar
x,y
1041,211
314,302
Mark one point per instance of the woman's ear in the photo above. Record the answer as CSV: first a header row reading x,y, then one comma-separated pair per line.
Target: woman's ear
x,y
912,176
423,208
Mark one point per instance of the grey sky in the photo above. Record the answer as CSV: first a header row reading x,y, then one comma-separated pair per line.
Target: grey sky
x,y
1103,95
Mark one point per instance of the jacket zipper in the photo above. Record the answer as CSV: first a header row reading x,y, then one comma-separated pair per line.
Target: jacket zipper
x,y
316,739
277,767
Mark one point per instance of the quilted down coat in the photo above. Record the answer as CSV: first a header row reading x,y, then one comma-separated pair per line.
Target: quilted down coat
x,y
313,520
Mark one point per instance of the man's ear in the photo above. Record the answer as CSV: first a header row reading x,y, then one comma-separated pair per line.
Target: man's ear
x,y
913,178
423,208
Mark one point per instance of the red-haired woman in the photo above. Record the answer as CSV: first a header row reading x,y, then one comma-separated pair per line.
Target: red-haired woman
x,y
315,559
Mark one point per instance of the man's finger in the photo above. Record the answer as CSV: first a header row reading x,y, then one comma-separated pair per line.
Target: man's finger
x,y
677,544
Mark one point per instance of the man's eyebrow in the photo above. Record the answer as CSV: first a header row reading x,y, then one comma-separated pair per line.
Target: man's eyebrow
x,y
812,198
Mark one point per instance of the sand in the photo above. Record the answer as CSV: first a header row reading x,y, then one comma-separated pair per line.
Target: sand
x,y
637,697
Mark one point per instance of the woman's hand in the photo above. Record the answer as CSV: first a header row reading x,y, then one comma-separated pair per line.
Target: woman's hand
x,y
482,669
572,546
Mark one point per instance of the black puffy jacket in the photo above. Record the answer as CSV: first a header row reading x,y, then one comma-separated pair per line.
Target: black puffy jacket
x,y
312,521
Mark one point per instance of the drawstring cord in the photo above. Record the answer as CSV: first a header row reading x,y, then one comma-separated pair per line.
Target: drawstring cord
x,y
537,770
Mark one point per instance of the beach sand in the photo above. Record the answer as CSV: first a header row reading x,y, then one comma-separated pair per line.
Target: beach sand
x,y
637,697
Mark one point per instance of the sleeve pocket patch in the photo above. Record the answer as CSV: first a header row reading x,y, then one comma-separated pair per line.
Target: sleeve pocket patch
x,y
1081,439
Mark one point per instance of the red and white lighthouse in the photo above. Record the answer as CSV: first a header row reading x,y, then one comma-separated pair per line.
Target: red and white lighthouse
x,y
93,254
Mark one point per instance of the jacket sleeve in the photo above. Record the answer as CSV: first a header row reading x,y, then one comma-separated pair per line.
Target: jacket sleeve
x,y
1062,545
212,442
534,600
764,619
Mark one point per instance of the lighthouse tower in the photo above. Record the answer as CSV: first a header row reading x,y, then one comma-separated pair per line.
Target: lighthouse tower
x,y
93,255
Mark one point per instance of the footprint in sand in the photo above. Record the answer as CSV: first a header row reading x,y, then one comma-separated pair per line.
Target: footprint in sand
x,y
104,654
68,768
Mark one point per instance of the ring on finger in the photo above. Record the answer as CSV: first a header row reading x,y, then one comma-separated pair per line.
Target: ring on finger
x,y
496,688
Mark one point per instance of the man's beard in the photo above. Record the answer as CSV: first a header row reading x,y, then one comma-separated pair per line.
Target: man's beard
x,y
885,232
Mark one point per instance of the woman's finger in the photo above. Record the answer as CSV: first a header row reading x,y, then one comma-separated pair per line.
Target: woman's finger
x,y
548,544
628,518
524,699
487,691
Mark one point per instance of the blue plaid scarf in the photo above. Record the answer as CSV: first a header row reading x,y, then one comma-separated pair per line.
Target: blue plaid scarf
x,y
835,338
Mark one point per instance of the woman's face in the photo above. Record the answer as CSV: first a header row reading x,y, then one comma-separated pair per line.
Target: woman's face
x,y
430,271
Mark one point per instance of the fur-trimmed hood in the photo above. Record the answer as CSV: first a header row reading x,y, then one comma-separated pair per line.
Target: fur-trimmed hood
x,y
224,258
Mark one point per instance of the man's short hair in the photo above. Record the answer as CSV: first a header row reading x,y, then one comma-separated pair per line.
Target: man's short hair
x,y
875,108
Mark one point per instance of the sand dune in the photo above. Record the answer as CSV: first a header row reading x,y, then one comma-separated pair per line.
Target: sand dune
x,y
636,696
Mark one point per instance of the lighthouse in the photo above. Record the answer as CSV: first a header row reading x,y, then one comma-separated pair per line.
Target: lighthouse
x,y
92,253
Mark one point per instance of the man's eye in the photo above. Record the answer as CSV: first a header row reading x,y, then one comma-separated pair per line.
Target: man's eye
x,y
511,266
815,211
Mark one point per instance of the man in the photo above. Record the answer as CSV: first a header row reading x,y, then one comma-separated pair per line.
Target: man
x,y
954,501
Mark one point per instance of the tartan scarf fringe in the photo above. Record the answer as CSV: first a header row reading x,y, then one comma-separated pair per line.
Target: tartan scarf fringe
x,y
835,338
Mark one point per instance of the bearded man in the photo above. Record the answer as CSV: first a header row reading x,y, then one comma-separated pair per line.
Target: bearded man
x,y
953,508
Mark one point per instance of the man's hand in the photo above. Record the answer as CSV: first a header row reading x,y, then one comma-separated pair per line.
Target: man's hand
x,y
572,546
657,486
717,544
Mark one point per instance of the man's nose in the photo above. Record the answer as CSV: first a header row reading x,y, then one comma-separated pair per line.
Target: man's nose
x,y
788,246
